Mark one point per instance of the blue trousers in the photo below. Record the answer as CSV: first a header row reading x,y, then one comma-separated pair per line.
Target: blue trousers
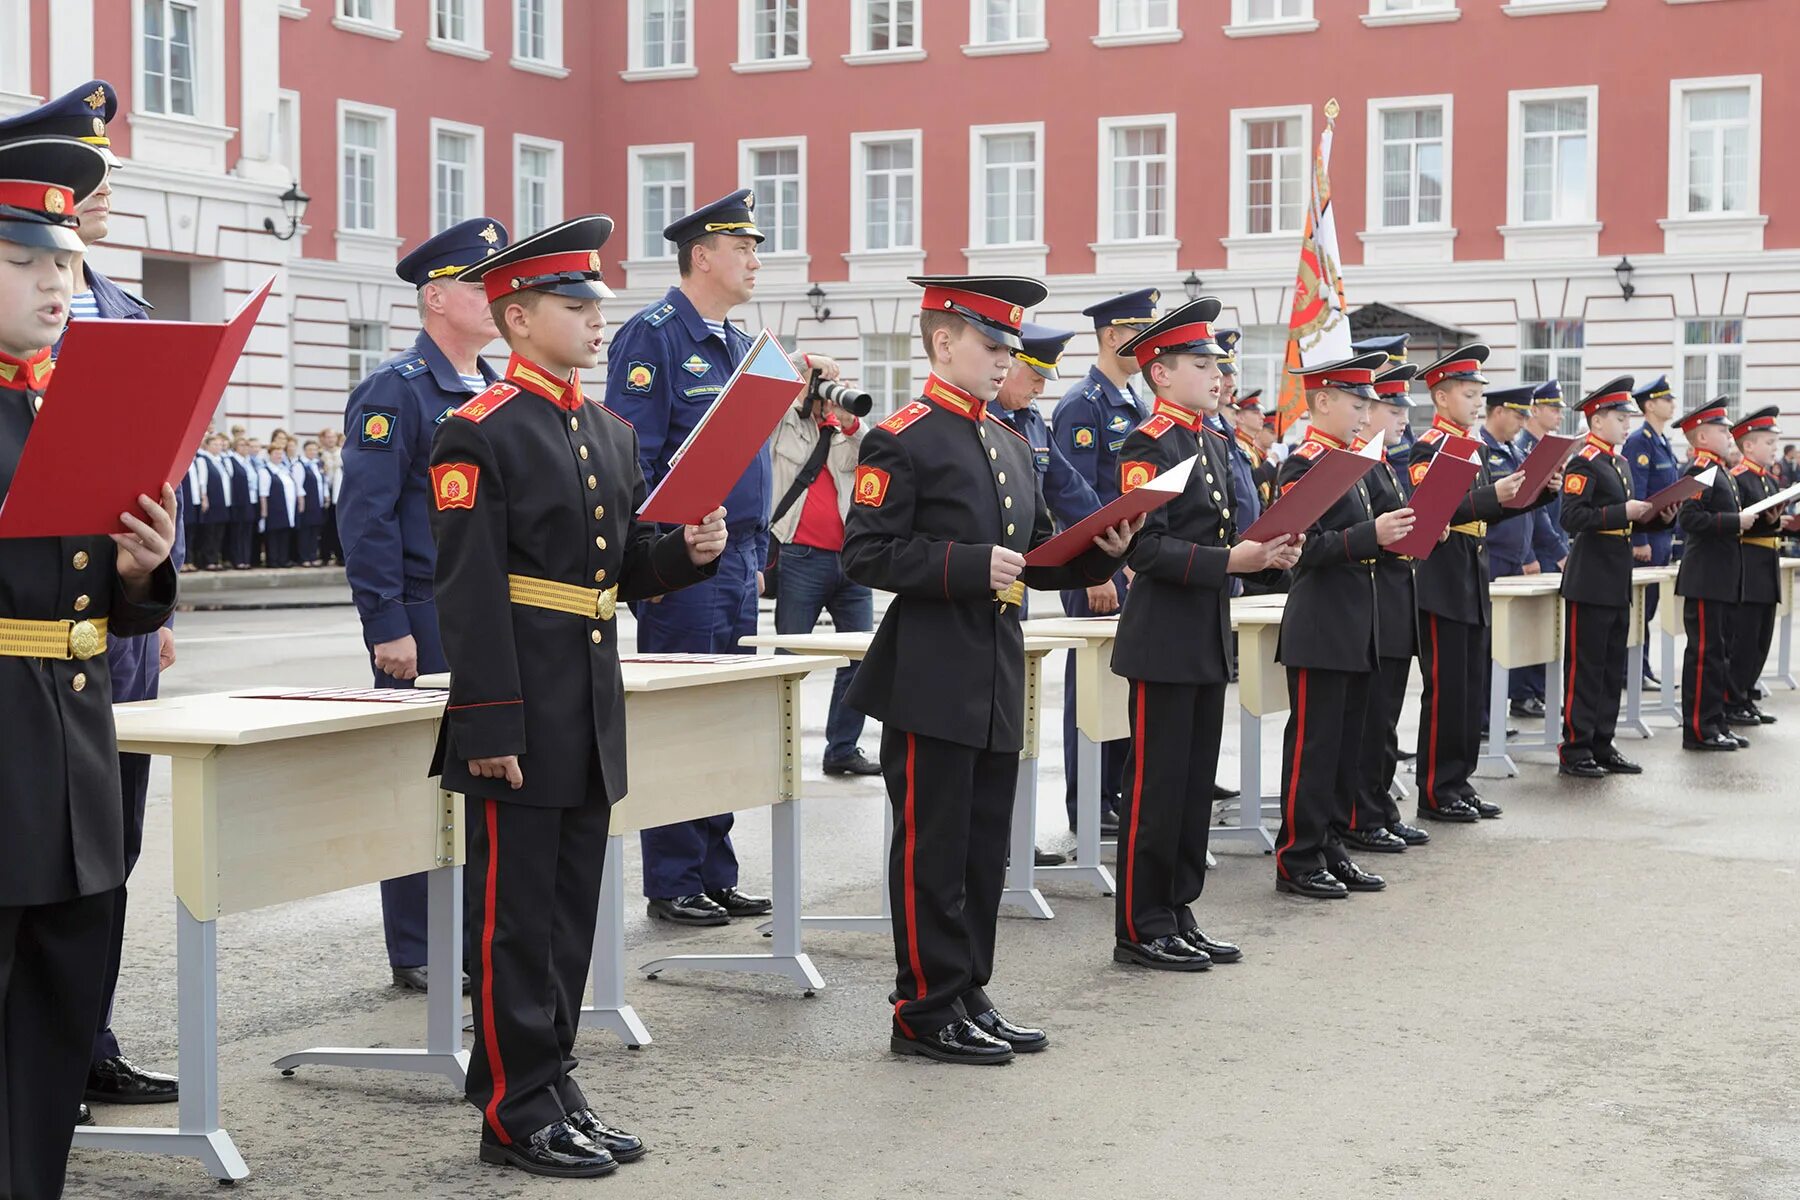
x,y
812,580
696,856
404,900
1112,754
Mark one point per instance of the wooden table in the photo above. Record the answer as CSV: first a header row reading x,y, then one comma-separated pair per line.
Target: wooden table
x,y
1527,630
1102,714
278,800
1637,649
1021,887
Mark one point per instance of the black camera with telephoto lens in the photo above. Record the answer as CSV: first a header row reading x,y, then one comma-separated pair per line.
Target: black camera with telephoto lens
x,y
858,403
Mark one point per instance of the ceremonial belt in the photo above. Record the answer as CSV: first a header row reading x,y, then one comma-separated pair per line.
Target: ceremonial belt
x,y
592,603
1767,543
1014,595
1472,528
1612,532
52,639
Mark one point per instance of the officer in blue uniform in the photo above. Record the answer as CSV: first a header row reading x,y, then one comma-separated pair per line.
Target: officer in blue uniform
x,y
1089,426
1509,542
384,509
1653,467
1549,542
1224,422
1070,497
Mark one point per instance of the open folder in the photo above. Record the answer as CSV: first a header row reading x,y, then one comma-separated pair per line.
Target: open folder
x,y
706,467
145,388
1549,456
1145,498
1685,488
1434,501
1768,502
1324,484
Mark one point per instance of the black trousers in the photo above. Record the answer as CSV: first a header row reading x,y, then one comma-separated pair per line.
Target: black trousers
x,y
1320,756
946,869
1166,809
209,550
51,980
531,899
279,547
1453,660
1752,633
306,541
1379,753
331,546
134,788
1705,667
240,542
1594,677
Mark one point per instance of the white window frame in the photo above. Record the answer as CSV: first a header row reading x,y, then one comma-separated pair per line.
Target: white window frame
x,y
384,169
1553,354
553,188
635,48
472,44
1515,153
380,25
747,148
885,404
1104,227
1375,209
551,63
1427,12
474,197
369,357
194,143
747,63
859,143
1111,35
1678,151
861,55
978,134
1711,351
1242,26
15,57
979,46
1240,178
635,156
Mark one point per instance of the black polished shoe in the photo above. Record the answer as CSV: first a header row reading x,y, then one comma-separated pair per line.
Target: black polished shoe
x,y
1109,822
1743,743
738,904
115,1081
1450,810
1320,885
558,1150
1377,840
1585,768
1617,764
1741,716
1530,707
1219,952
84,1115
1221,792
1022,1039
418,979
1716,741
958,1042
1357,879
1171,952
1483,809
1412,835
689,910
625,1147
1046,858
1761,716
857,764
1651,683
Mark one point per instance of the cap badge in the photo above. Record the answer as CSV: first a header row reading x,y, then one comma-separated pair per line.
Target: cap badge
x,y
1016,315
53,200
750,202
490,235
99,127
96,98
593,260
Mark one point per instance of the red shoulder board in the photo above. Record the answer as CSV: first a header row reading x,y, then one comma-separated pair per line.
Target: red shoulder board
x,y
1740,469
906,416
1157,426
1310,449
1007,425
1590,452
1431,435
485,405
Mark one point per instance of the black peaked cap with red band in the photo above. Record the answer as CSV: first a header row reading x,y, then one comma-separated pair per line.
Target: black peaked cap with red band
x,y
1762,420
1184,330
42,180
1394,385
1611,396
563,260
994,304
1355,374
1713,412
1462,363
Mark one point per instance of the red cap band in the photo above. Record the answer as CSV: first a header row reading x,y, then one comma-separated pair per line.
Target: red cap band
x,y
1752,425
1618,397
1704,416
1179,335
1461,366
506,280
1000,312
1347,377
37,197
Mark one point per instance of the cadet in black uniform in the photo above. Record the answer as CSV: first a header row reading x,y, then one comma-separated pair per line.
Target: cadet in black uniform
x,y
1375,822
946,504
1710,582
63,859
1601,516
1328,644
1753,624
534,494
1174,645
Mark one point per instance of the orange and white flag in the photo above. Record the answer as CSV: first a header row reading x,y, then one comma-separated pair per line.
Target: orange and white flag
x,y
1318,326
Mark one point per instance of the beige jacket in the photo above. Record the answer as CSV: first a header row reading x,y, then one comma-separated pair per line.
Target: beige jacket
x,y
790,447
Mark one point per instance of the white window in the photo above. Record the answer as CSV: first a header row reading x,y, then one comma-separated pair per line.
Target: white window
x,y
1390,7
1136,16
1551,350
1137,178
1410,163
373,18
885,200
1269,171
1553,156
170,32
662,189
538,37
456,28
1007,171
15,54
1712,360
357,10
996,22
776,170
456,173
538,195
884,26
1270,12
1716,146
1261,358
368,348
772,31
363,138
887,370
665,30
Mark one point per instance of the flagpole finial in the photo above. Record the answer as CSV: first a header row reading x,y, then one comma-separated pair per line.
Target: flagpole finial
x,y
1332,109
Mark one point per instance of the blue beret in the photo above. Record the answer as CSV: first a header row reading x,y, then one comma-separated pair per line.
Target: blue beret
x,y
81,114
1041,347
732,215
1133,308
453,251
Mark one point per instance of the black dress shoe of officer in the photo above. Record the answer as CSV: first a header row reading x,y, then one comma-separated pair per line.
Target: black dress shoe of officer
x,y
1450,810
1320,885
1743,743
1716,741
857,764
418,979
1046,858
738,904
1171,952
1219,952
1221,792
697,909
115,1081
1109,822
1530,707
1357,879
1585,768
958,1042
1023,1040
1412,835
559,1150
624,1147
84,1115
1741,716
1483,809
1761,716
1377,840
1617,764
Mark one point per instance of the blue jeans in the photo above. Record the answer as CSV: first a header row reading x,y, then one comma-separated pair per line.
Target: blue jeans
x,y
810,581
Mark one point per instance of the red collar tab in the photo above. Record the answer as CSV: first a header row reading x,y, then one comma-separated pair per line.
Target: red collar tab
x,y
1323,438
1172,338
1713,415
26,374
1595,440
1359,443
1348,378
1706,457
1440,421
565,394
1460,366
1000,312
948,396
1183,417
518,276
1753,468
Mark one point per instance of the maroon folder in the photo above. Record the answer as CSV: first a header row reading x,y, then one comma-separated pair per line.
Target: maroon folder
x,y
1145,498
1323,485
1546,459
1434,501
1685,488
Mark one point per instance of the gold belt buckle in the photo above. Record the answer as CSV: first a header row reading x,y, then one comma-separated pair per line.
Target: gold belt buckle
x,y
1014,595
85,640
607,603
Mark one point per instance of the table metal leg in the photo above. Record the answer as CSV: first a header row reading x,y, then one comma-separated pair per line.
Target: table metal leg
x,y
1087,865
197,1133
1496,753
608,1010
1636,661
1784,638
882,922
1249,804
1667,704
1021,888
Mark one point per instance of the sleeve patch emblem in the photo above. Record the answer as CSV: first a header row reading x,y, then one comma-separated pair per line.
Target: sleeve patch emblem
x,y
639,376
1574,485
1643,460
453,485
1135,475
1084,437
1418,472
871,486
377,428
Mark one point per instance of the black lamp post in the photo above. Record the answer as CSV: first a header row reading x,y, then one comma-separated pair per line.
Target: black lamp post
x,y
815,296
1192,285
1623,271
293,204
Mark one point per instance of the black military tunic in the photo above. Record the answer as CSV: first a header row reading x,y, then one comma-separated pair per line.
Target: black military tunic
x,y
1711,585
1753,624
1396,641
534,486
938,487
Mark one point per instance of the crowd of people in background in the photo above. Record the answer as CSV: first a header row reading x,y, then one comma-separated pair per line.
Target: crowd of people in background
x,y
248,504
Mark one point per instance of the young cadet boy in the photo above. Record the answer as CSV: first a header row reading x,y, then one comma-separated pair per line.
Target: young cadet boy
x,y
946,505
1328,643
1710,582
63,859
534,496
1375,822
1753,624
1601,516
1174,645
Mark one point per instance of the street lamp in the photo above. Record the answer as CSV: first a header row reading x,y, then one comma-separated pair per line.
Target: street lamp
x,y
815,296
293,204
1623,271
1192,285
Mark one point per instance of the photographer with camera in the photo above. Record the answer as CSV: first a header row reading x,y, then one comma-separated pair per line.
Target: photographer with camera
x,y
815,450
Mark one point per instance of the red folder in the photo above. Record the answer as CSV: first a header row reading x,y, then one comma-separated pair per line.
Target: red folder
x,y
1323,485
1434,501
1546,459
703,472
1685,488
148,388
1145,498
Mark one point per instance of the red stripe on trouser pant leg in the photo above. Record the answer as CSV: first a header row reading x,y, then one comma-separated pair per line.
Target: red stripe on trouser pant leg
x,y
1569,687
1699,665
912,908
1294,777
1436,699
1137,807
496,1065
